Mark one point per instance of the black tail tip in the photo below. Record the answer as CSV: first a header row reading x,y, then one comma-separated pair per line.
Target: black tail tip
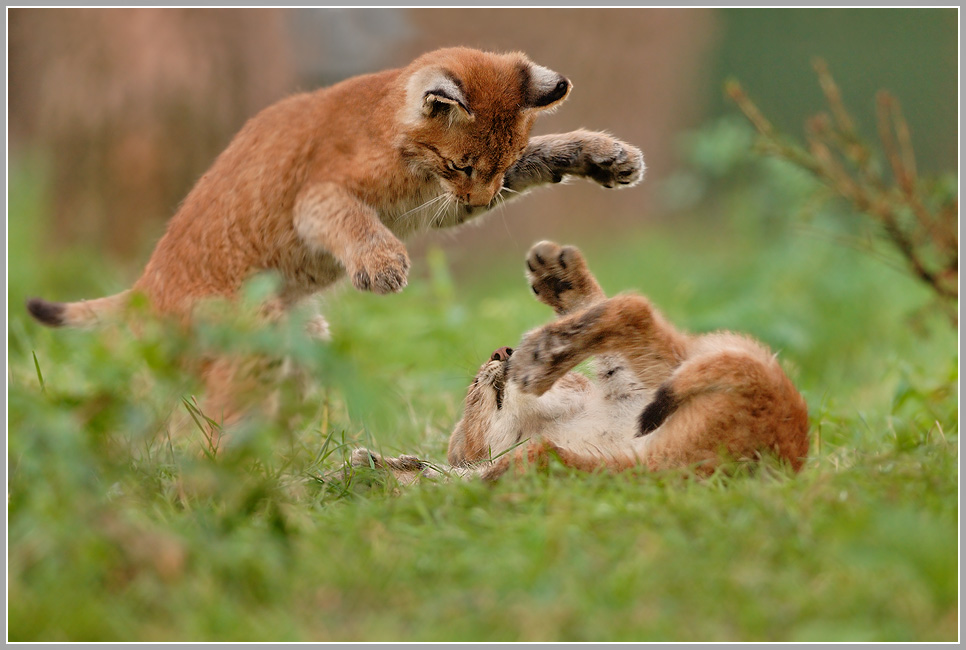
x,y
48,313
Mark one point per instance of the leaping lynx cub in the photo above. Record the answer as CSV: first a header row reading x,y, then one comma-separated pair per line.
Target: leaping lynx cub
x,y
662,399
326,183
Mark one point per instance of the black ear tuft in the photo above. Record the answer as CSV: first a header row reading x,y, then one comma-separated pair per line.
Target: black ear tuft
x,y
556,94
654,415
543,88
48,313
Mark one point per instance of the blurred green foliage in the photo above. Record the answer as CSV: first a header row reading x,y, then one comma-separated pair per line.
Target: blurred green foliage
x,y
120,527
911,51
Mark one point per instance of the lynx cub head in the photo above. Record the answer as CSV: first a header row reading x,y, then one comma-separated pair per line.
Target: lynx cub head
x,y
468,114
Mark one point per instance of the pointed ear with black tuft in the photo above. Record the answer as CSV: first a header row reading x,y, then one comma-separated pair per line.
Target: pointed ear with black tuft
x,y
543,89
434,93
438,102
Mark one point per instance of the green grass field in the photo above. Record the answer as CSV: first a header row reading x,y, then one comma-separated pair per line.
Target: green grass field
x,y
121,528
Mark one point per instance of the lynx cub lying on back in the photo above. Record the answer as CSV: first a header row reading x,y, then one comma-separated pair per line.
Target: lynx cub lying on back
x,y
326,183
662,399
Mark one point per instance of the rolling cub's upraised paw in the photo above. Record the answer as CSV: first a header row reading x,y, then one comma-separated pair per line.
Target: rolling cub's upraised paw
x,y
543,357
613,163
559,277
528,363
382,268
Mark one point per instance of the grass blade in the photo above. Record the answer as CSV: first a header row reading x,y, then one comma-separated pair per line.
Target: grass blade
x,y
40,375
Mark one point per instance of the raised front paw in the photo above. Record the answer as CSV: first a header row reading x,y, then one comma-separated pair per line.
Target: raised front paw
x,y
381,268
559,277
540,360
613,163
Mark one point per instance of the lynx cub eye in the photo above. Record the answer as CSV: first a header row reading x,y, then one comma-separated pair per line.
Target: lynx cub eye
x,y
468,170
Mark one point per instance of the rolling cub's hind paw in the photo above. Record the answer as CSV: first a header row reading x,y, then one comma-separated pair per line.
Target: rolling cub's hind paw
x,y
613,163
362,457
406,469
559,277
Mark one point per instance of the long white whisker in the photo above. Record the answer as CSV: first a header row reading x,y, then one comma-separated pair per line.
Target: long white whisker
x,y
441,211
452,203
421,206
432,220
501,203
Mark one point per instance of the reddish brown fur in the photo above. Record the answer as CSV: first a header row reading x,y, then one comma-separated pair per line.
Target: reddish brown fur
x,y
318,184
727,396
327,183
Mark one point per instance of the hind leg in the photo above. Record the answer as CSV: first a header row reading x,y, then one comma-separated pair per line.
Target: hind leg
x,y
236,388
735,400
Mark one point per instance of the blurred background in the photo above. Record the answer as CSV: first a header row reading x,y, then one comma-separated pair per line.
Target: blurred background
x,y
119,111
123,528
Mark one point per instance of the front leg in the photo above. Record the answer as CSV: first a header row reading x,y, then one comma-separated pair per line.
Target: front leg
x,y
588,154
626,325
330,220
559,277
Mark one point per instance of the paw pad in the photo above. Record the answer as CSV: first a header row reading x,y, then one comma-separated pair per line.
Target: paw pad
x,y
616,163
558,275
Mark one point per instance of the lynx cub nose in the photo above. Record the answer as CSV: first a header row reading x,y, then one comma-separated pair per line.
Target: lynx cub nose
x,y
502,354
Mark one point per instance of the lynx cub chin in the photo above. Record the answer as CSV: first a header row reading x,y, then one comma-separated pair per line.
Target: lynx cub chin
x,y
662,399
327,183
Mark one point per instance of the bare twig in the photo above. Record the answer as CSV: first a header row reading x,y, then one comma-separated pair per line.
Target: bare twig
x,y
925,235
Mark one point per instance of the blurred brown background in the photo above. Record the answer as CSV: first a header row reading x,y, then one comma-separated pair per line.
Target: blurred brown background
x,y
128,107
125,108
131,106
